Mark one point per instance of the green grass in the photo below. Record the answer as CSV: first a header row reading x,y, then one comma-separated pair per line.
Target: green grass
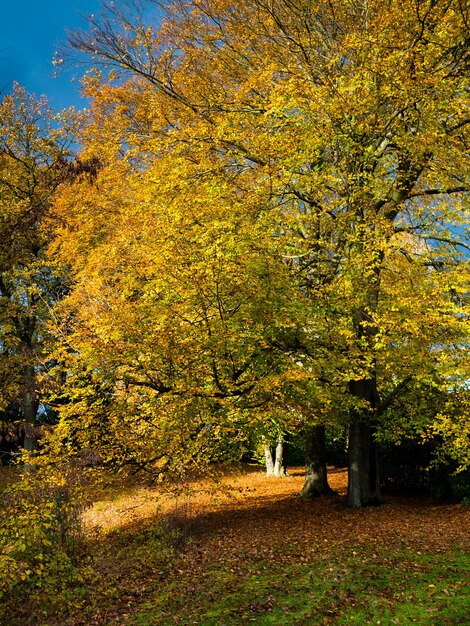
x,y
361,588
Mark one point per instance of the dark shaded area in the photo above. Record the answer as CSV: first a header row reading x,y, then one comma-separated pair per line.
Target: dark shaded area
x,y
14,428
411,469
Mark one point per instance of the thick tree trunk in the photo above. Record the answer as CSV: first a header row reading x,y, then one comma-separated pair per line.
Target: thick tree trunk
x,y
30,408
316,481
268,459
363,471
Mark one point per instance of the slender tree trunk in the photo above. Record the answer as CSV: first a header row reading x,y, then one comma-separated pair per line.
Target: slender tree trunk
x,y
363,471
30,408
316,481
279,468
269,459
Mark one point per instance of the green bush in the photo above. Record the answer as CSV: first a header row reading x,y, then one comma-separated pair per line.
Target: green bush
x,y
40,536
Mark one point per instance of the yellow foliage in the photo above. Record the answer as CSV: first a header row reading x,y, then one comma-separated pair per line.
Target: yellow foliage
x,y
278,221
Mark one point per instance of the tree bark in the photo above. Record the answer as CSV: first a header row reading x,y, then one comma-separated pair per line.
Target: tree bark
x,y
316,481
279,468
268,459
363,470
30,408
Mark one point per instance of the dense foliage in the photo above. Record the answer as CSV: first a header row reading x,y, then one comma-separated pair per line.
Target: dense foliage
x,y
265,232
277,233
34,146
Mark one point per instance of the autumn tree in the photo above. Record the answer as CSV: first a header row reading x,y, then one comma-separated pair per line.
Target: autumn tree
x,y
341,130
34,145
174,305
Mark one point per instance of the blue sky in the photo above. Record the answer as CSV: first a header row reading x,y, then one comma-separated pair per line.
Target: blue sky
x,y
30,31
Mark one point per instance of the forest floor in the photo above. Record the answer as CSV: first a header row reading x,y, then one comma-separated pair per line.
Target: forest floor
x,y
253,551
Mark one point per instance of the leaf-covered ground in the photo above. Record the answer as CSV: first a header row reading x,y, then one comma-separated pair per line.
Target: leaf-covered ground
x,y
255,552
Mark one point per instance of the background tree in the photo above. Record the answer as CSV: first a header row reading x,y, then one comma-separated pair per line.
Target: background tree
x,y
34,146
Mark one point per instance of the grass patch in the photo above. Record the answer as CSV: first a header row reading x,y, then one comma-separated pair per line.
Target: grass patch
x,y
362,588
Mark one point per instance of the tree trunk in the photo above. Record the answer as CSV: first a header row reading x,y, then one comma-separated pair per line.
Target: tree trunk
x,y
316,481
363,471
279,468
269,459
30,408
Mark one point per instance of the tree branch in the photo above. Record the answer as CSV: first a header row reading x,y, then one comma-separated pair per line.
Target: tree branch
x,y
436,192
393,394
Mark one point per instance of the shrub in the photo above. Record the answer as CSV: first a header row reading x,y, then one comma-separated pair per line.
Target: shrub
x,y
40,536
